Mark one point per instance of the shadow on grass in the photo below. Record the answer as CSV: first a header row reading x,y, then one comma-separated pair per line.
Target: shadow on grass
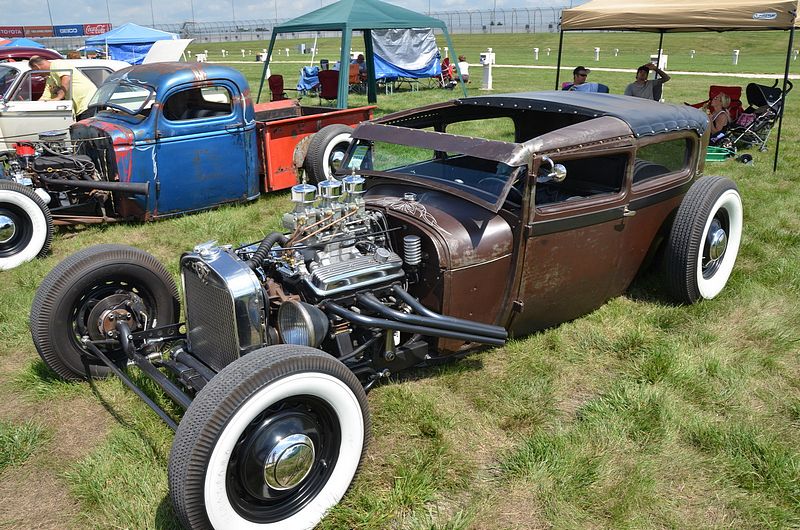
x,y
165,516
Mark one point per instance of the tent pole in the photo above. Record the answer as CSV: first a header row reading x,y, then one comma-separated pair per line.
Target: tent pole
x,y
783,104
372,92
344,68
458,70
660,44
266,65
558,64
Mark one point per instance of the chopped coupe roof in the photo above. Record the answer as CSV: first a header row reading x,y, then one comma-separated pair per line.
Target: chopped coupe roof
x,y
643,116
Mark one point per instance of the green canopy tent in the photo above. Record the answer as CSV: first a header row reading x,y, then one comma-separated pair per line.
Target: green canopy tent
x,y
357,15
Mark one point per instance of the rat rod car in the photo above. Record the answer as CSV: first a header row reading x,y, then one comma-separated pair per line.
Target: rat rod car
x,y
426,245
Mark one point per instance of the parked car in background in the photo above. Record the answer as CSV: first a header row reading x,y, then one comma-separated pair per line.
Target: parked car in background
x,y
23,116
168,139
23,53
429,243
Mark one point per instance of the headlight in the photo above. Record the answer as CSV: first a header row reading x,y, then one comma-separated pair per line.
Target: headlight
x,y
301,323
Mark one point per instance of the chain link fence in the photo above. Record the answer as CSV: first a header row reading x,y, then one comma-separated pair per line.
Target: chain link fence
x,y
517,20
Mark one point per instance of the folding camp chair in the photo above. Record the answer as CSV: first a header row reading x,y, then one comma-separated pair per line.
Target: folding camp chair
x,y
354,79
276,89
733,92
447,77
754,125
328,85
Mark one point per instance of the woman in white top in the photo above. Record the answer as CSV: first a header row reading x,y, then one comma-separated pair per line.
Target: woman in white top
x,y
463,66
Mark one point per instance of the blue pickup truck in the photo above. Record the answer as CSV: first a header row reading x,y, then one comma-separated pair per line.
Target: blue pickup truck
x,y
167,139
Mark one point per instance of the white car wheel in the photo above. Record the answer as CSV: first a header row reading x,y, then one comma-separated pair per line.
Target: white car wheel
x,y
26,226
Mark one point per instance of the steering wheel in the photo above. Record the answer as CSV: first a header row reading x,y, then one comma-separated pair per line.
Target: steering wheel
x,y
514,197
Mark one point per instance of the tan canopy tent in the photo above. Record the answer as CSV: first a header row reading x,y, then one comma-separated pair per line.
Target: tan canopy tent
x,y
673,16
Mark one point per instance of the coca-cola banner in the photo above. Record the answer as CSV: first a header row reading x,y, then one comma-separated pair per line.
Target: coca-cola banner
x,y
10,32
96,29
38,31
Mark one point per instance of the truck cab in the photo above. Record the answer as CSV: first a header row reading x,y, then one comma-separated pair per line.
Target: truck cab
x,y
188,131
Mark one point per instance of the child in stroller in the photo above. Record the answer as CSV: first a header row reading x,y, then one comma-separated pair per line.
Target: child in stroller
x,y
754,124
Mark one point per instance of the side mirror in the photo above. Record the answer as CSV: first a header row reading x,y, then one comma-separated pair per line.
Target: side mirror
x,y
556,172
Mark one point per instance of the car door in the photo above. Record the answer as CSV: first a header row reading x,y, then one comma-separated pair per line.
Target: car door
x,y
572,241
205,152
23,115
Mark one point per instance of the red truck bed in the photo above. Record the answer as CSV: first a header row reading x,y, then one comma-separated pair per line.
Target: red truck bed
x,y
282,125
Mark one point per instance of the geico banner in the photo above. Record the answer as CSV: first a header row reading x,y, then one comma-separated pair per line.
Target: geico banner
x,y
10,32
73,30
96,29
38,31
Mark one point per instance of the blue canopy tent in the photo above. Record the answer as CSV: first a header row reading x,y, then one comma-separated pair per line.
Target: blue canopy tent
x,y
27,43
129,42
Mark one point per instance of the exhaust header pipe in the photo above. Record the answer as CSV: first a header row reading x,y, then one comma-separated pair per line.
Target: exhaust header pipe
x,y
128,188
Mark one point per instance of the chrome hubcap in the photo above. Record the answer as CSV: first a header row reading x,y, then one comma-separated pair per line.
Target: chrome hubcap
x,y
289,462
7,229
337,157
718,242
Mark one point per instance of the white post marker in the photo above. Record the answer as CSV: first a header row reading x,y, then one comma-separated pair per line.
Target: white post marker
x,y
616,52
536,54
597,54
244,53
794,55
487,60
691,54
735,56
548,52
446,52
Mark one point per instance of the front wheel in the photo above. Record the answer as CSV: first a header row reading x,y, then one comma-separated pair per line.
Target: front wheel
x,y
273,441
26,226
704,240
87,293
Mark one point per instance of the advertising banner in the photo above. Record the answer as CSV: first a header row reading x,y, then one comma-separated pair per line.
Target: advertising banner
x,y
96,29
38,31
72,30
11,32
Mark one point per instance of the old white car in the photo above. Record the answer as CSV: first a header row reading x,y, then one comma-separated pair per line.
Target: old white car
x,y
23,116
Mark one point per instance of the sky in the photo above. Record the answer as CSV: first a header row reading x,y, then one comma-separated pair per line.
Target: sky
x,y
35,12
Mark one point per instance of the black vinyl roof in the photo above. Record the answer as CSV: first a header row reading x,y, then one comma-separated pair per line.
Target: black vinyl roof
x,y
643,116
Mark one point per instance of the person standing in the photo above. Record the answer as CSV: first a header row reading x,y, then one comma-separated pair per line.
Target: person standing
x,y
65,82
647,88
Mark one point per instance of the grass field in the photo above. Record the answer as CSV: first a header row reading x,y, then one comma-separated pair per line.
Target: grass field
x,y
641,414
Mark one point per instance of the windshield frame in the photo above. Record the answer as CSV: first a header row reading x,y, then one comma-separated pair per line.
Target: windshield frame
x,y
103,98
513,158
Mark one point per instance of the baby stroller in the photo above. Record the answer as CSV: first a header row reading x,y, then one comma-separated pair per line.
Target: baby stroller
x,y
754,124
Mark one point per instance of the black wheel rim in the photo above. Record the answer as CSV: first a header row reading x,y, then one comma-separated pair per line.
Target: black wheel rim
x,y
715,244
248,493
107,294
19,232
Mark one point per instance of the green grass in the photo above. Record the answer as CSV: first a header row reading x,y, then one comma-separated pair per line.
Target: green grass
x,y
18,441
641,414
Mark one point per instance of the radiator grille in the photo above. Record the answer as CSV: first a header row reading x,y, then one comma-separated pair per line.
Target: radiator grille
x,y
210,317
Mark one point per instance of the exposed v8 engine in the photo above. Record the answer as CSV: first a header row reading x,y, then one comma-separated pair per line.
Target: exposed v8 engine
x,y
333,281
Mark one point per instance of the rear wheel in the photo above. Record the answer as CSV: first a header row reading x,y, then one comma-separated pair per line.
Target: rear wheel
x,y
84,295
273,441
704,240
326,152
26,226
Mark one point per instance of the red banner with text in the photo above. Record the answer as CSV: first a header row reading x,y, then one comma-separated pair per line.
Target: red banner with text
x,y
96,29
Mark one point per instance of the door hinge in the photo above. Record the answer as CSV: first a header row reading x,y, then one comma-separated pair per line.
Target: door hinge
x,y
517,306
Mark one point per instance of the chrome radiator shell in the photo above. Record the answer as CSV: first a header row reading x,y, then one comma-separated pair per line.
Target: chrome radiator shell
x,y
225,306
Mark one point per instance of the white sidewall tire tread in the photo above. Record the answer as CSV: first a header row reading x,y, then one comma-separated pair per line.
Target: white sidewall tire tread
x,y
328,388
338,139
41,225
731,202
